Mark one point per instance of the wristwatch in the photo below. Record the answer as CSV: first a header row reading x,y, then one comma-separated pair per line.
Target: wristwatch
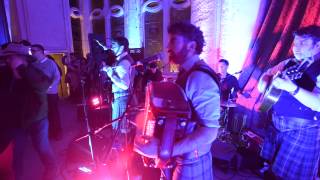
x,y
295,91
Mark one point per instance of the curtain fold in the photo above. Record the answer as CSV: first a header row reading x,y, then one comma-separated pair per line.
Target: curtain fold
x,y
4,33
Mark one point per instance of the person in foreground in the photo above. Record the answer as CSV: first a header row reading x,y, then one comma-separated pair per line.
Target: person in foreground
x,y
27,107
292,144
192,155
50,68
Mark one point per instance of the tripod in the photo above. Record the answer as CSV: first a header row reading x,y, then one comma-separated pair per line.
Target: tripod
x,y
110,155
91,134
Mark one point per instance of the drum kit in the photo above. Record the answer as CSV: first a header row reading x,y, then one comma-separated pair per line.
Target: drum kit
x,y
227,132
226,111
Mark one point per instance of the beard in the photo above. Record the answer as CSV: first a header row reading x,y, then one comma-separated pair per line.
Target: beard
x,y
179,57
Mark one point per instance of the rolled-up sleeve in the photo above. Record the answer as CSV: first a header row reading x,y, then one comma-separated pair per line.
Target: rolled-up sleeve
x,y
122,71
204,94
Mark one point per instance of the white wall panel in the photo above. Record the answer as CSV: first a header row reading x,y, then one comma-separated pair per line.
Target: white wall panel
x,y
46,22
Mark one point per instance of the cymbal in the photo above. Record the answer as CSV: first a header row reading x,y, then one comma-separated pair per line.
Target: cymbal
x,y
228,104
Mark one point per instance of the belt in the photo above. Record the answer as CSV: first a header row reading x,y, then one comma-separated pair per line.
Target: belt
x,y
194,155
190,158
121,93
294,122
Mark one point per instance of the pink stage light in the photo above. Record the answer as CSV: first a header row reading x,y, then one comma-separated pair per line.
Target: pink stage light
x,y
96,101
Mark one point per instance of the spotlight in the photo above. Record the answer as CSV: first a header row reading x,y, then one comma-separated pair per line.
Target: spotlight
x,y
96,101
85,169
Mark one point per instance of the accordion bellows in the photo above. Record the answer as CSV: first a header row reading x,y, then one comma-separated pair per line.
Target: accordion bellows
x,y
167,114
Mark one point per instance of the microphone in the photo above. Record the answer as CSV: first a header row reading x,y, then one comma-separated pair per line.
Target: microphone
x,y
238,72
232,90
152,58
101,45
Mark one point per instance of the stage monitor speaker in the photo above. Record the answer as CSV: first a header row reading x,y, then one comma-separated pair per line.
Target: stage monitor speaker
x,y
97,117
225,156
250,150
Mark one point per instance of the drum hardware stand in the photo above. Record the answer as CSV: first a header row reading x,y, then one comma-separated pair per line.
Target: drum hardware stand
x,y
225,134
226,115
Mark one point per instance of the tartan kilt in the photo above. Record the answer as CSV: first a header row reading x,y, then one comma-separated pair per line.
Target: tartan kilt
x,y
198,170
294,154
119,106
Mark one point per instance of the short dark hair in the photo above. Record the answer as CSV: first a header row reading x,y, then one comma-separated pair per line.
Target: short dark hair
x,y
153,65
122,41
190,32
5,45
224,61
39,46
25,42
50,57
312,31
108,57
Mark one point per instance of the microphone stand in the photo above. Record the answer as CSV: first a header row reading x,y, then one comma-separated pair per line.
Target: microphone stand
x,y
89,130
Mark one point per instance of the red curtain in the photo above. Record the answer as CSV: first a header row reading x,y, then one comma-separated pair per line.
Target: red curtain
x,y
4,32
273,40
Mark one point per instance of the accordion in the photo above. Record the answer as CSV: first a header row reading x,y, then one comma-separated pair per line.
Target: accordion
x,y
167,118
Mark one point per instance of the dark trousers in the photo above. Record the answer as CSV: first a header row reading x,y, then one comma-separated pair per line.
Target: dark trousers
x,y
55,129
39,136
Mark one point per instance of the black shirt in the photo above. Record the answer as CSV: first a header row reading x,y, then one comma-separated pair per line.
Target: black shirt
x,y
229,87
150,76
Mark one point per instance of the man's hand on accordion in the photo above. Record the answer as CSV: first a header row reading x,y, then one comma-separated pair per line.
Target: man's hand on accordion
x,y
146,146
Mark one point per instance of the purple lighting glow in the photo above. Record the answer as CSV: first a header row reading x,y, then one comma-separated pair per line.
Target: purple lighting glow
x,y
238,20
227,27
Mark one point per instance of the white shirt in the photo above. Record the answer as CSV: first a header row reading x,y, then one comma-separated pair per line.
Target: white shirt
x,y
50,68
204,94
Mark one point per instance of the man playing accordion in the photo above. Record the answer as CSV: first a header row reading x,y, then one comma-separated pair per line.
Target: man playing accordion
x,y
191,154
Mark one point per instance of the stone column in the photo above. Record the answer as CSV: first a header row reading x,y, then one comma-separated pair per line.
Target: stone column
x,y
107,20
166,23
133,27
86,26
205,14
